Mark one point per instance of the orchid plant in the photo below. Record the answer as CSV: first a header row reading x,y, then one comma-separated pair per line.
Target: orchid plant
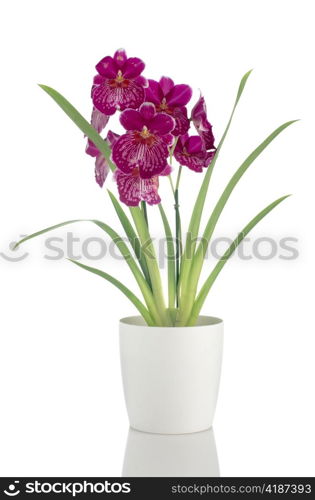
x,y
157,130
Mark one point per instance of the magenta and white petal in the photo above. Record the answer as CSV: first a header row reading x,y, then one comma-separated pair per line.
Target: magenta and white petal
x,y
108,98
206,134
147,111
133,67
128,188
167,170
107,67
104,98
112,138
181,120
199,111
149,155
154,92
203,127
166,84
98,120
168,139
194,162
149,190
162,124
91,149
101,170
120,57
131,119
179,95
209,157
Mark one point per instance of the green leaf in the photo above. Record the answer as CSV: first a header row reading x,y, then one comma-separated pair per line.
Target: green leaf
x,y
128,293
131,235
148,251
195,220
170,259
221,263
198,259
81,122
124,250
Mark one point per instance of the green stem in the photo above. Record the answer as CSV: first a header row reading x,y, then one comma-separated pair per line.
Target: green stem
x,y
145,213
178,177
178,244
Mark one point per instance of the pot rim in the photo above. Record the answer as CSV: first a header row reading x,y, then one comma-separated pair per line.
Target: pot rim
x,y
203,322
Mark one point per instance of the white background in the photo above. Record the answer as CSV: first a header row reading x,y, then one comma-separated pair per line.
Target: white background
x,y
62,408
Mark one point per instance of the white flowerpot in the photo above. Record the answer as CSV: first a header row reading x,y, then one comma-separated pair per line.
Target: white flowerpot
x,y
171,374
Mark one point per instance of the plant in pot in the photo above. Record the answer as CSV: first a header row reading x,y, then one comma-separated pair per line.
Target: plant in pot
x,y
170,353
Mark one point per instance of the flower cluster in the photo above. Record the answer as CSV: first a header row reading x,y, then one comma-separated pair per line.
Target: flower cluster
x,y
154,116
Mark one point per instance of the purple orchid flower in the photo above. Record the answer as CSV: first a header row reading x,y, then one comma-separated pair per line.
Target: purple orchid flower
x,y
191,152
203,127
119,84
145,145
133,189
101,165
171,99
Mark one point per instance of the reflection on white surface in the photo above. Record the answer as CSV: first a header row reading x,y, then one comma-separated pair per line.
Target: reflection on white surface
x,y
154,455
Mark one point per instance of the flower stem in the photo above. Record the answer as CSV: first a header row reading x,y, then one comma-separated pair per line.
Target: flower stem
x,y
145,213
178,231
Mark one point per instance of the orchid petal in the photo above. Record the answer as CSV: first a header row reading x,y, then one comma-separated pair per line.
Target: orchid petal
x,y
141,81
133,67
167,170
132,151
147,111
107,98
132,119
205,132
179,95
101,170
182,122
149,190
120,57
154,92
168,139
162,124
98,120
132,189
107,67
194,162
91,149
166,84
112,138
128,188
203,127
194,144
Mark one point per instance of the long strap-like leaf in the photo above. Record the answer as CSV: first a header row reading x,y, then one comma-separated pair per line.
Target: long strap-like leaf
x,y
131,235
81,122
170,259
217,269
148,251
124,250
198,259
194,225
128,293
